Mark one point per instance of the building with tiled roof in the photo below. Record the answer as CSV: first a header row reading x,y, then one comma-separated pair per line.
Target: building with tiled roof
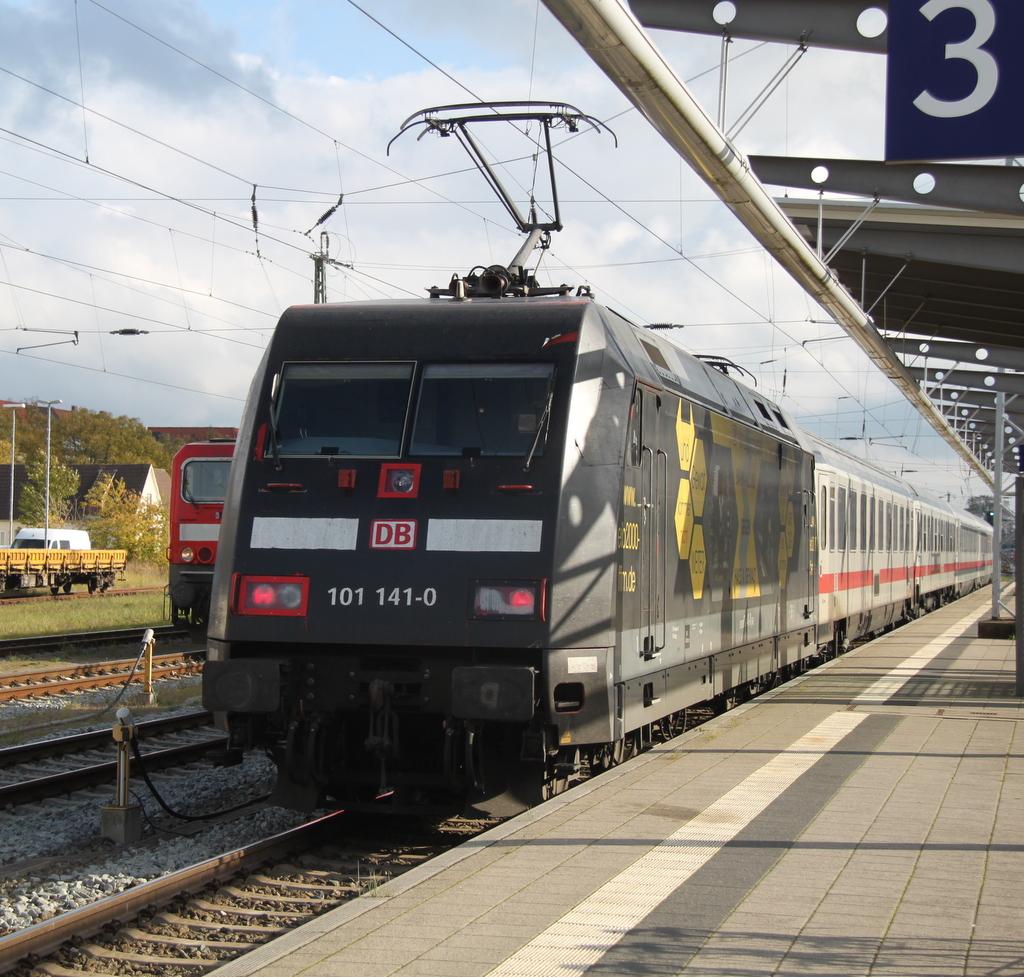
x,y
145,480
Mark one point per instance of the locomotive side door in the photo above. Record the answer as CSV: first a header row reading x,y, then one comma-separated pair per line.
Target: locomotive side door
x,y
653,526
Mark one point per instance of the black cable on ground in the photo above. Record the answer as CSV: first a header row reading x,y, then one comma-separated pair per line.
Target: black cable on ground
x,y
175,814
125,686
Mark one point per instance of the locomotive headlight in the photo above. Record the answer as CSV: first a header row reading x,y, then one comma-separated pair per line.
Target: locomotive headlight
x,y
187,556
507,600
401,480
281,596
398,481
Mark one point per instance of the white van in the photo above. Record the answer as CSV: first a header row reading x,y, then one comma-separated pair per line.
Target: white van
x,y
59,539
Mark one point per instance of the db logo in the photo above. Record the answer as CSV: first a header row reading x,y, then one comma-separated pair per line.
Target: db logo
x,y
393,534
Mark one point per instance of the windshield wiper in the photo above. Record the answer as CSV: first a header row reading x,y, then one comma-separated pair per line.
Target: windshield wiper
x,y
541,429
275,447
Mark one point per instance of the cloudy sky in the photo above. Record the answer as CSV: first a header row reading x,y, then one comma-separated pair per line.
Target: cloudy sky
x,y
134,136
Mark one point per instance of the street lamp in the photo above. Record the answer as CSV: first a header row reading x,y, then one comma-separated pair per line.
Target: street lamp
x,y
10,516
46,523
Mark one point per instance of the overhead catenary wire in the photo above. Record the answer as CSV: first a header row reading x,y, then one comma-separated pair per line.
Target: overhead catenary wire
x,y
214,215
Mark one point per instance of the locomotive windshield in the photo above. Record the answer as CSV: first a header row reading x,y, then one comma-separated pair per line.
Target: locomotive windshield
x,y
205,479
479,409
343,408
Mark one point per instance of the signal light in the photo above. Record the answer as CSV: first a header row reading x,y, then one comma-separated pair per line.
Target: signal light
x,y
187,555
507,600
273,596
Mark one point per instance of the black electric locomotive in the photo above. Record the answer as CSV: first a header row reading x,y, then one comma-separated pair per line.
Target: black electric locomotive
x,y
474,546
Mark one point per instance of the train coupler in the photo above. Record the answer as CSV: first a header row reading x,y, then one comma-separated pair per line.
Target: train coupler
x,y
534,745
383,736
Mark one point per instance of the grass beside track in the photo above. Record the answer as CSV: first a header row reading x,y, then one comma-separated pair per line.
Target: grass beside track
x,y
98,613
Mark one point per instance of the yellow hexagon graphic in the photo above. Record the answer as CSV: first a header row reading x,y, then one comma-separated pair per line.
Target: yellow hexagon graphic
x,y
698,562
725,431
698,479
686,434
684,519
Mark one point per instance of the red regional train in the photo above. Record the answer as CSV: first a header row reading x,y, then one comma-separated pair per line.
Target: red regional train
x,y
199,478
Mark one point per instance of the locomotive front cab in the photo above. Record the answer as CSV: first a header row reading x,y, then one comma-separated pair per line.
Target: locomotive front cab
x,y
382,606
199,479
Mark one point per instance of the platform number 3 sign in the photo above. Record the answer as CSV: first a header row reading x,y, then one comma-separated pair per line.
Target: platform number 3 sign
x,y
955,76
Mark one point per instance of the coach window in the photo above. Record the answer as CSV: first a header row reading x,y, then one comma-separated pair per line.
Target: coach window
x,y
341,409
853,520
841,511
475,409
822,511
888,526
863,521
832,517
871,531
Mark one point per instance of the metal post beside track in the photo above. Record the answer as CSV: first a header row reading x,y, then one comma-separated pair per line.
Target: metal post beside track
x,y
121,821
148,641
1018,575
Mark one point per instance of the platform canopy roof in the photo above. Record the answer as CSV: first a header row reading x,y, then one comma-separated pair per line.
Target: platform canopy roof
x,y
944,284
931,251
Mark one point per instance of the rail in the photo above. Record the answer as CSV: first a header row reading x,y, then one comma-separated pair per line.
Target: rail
x,y
43,938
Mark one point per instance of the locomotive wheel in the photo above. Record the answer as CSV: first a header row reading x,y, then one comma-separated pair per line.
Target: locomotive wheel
x,y
564,770
618,752
92,585
605,757
55,591
67,587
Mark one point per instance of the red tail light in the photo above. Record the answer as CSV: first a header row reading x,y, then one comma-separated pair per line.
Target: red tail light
x,y
277,596
508,600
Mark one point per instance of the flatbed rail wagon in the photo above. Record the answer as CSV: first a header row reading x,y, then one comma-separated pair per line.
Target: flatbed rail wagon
x,y
57,569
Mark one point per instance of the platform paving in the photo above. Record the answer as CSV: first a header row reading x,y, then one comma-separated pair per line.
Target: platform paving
x,y
866,818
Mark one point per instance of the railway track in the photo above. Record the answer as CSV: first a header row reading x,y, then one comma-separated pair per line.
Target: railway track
x,y
41,644
94,675
77,595
50,768
191,921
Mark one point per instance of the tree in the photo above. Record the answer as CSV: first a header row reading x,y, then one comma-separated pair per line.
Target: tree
x,y
125,521
63,485
984,507
85,437
981,505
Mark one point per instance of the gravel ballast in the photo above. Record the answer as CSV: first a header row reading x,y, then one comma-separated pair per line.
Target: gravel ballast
x,y
53,858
